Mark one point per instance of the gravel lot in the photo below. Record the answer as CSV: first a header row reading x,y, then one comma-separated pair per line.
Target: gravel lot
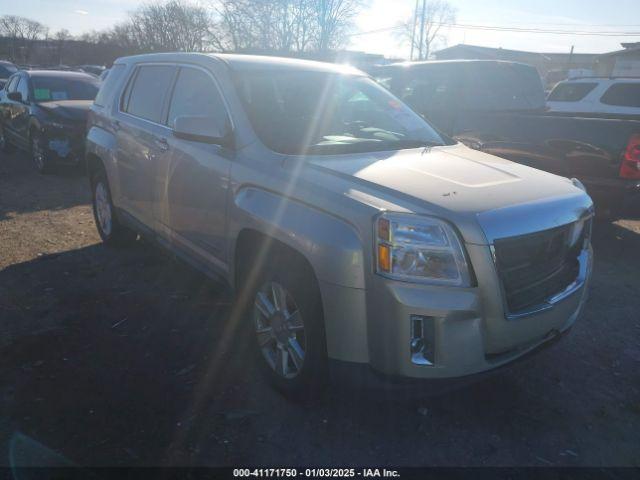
x,y
122,357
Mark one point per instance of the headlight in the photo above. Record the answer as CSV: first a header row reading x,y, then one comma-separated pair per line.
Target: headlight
x,y
419,249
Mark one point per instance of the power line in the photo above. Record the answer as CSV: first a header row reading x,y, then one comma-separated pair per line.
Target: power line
x,y
497,28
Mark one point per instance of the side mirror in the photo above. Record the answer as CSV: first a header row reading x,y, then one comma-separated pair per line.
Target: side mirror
x,y
204,129
15,96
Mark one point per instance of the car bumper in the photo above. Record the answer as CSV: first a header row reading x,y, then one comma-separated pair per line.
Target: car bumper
x,y
65,148
464,331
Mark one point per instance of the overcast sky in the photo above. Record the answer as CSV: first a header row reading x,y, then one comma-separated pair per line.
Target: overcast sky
x,y
79,16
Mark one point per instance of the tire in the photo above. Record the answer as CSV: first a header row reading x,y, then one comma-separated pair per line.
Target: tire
x,y
111,231
286,323
41,159
5,146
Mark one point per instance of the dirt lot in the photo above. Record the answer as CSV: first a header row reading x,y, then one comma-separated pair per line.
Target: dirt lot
x,y
122,357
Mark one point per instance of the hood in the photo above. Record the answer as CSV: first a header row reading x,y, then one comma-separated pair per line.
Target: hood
x,y
465,185
74,110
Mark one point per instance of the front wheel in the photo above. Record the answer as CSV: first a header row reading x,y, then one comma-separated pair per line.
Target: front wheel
x,y
111,231
39,155
288,326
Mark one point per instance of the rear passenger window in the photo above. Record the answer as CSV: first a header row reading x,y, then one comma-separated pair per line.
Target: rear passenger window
x,y
149,90
195,94
105,94
571,92
622,95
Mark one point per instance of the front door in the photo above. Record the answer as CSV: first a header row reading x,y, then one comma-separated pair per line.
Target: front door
x,y
193,179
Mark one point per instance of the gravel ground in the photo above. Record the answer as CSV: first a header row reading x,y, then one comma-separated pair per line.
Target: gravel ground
x,y
124,357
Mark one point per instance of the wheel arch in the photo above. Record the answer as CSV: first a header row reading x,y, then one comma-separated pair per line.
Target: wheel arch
x,y
330,245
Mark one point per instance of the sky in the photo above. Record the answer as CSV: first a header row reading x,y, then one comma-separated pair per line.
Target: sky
x,y
79,16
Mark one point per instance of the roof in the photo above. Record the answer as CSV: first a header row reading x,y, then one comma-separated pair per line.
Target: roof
x,y
505,52
448,62
59,74
626,51
240,62
488,51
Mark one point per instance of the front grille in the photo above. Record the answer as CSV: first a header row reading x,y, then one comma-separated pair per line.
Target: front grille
x,y
535,267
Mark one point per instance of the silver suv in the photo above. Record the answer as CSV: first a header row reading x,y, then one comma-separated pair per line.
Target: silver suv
x,y
357,237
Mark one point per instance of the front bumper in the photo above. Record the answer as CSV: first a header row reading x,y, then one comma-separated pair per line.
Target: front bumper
x,y
466,331
65,147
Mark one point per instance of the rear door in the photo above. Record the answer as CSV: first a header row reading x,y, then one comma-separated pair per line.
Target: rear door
x,y
141,137
192,181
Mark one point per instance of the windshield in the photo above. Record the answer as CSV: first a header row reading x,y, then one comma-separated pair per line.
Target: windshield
x,y
46,89
329,113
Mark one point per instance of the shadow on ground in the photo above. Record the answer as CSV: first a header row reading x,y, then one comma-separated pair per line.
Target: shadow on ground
x,y
56,191
125,357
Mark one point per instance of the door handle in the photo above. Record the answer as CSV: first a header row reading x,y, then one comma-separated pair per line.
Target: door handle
x,y
162,143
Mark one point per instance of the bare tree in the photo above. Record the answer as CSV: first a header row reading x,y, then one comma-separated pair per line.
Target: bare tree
x,y
334,19
22,33
61,37
284,25
171,26
424,28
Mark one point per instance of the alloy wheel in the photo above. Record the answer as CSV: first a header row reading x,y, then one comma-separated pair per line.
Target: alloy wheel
x,y
280,330
37,153
103,208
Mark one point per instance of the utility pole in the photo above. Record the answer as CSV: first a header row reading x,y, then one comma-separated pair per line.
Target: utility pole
x,y
424,6
413,32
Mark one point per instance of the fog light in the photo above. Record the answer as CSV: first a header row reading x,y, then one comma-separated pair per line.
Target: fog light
x,y
421,345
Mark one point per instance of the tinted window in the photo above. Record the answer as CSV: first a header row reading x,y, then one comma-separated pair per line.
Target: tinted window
x,y
46,89
195,94
23,88
149,90
324,113
571,92
109,85
622,95
502,86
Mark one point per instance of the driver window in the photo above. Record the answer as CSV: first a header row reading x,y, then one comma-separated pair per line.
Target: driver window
x,y
195,94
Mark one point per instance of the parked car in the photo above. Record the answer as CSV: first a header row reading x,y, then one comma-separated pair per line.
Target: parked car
x,y
499,108
6,70
45,113
357,238
93,69
607,97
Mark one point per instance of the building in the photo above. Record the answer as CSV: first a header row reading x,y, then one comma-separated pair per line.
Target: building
x,y
621,63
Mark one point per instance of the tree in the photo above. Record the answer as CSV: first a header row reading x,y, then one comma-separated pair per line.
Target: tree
x,y
61,37
171,26
334,19
284,25
424,29
22,33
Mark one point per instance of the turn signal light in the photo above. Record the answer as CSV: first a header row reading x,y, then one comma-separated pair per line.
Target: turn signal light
x,y
384,258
